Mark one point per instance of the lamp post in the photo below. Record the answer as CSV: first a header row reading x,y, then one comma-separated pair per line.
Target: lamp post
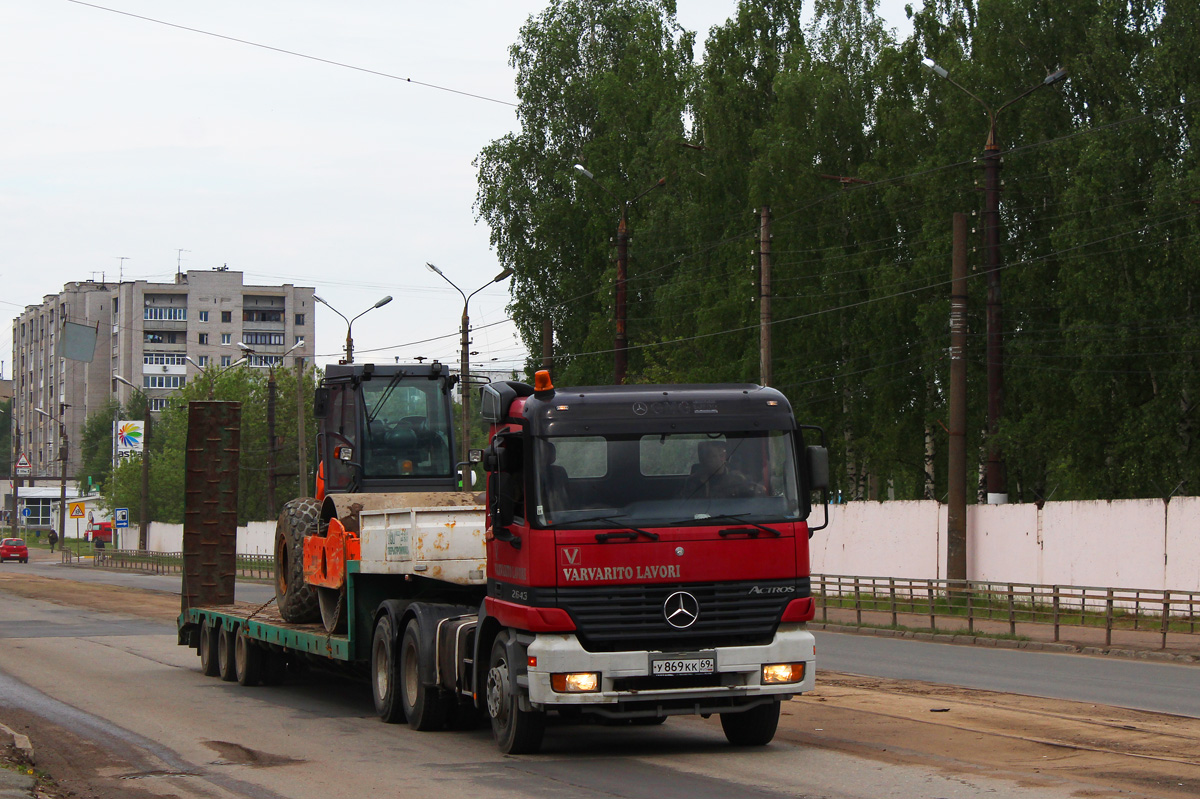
x,y
997,481
62,455
271,420
350,322
465,365
144,522
213,373
621,343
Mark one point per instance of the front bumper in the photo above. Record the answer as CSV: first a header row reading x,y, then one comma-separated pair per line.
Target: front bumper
x,y
627,688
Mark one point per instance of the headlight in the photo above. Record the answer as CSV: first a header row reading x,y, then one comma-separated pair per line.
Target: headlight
x,y
782,673
576,683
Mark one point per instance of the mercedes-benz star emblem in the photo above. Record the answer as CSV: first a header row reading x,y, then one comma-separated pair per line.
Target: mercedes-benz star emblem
x,y
639,408
681,610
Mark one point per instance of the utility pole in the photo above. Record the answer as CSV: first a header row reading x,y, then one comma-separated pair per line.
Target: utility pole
x,y
17,481
465,377
301,447
271,443
621,344
956,532
62,485
144,532
764,296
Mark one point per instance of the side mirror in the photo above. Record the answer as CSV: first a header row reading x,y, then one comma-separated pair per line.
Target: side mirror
x,y
474,456
818,468
321,403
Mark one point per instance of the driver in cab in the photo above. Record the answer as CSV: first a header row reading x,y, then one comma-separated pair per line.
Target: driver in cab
x,y
714,478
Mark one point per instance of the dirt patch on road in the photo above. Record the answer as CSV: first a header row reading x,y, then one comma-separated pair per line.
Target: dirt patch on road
x,y
156,605
1038,741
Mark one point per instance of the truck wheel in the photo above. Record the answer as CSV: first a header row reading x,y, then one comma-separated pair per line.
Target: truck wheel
x,y
210,631
225,645
423,705
385,676
517,731
297,600
247,661
753,727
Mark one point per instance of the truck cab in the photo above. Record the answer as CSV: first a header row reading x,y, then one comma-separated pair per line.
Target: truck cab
x,y
654,541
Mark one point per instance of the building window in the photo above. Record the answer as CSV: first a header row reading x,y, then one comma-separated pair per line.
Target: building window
x,y
158,403
163,381
203,338
203,361
263,338
226,316
204,316
262,316
299,340
266,360
39,512
153,338
225,338
226,360
167,313
299,320
163,358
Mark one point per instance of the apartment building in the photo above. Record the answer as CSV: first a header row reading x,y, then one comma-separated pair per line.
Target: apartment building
x,y
158,336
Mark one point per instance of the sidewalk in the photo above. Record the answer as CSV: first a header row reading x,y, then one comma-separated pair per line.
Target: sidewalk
x,y
1141,644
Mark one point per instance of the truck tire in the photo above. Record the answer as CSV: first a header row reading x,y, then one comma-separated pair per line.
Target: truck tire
x,y
423,705
297,600
247,661
385,672
226,641
210,631
517,731
753,727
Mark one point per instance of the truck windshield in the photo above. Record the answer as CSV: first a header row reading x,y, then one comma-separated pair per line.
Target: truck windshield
x,y
407,429
666,479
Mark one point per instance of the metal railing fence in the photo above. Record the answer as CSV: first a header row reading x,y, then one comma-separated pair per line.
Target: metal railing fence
x,y
975,602
248,566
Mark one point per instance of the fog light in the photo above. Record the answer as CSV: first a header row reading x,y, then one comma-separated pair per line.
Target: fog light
x,y
578,683
782,673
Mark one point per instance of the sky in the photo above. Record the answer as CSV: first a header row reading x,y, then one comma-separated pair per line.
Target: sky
x,y
132,148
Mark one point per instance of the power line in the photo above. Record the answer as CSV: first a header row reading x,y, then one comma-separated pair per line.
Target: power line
x,y
296,54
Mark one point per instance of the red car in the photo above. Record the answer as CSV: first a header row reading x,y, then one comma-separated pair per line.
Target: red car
x,y
13,549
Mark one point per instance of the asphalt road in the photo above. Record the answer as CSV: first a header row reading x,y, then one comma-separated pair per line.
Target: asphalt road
x,y
124,708
1141,685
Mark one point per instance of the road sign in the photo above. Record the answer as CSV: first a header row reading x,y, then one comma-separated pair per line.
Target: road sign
x,y
25,512
23,467
76,510
121,517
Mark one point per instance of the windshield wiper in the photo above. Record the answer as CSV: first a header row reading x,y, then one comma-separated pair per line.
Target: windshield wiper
x,y
629,532
729,517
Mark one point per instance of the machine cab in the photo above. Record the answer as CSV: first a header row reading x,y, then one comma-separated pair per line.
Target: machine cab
x,y
386,428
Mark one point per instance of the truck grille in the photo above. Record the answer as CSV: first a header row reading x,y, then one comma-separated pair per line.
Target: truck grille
x,y
616,617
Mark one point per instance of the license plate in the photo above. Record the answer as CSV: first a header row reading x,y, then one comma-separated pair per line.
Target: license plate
x,y
682,666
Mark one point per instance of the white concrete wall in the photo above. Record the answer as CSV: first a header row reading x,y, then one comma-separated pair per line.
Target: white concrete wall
x,y
257,538
1120,544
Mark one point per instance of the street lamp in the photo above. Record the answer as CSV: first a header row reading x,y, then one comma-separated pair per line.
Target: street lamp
x,y
212,372
465,366
350,322
144,523
621,344
62,454
246,348
997,482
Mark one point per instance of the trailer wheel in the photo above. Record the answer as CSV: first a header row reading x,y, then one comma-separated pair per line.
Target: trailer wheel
x,y
753,727
210,631
385,674
517,731
297,600
247,661
423,705
225,645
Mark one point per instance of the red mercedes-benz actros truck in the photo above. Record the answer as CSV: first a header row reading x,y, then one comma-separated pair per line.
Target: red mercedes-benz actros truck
x,y
642,553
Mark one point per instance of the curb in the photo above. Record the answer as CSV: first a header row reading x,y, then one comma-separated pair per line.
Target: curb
x,y
1004,643
20,741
